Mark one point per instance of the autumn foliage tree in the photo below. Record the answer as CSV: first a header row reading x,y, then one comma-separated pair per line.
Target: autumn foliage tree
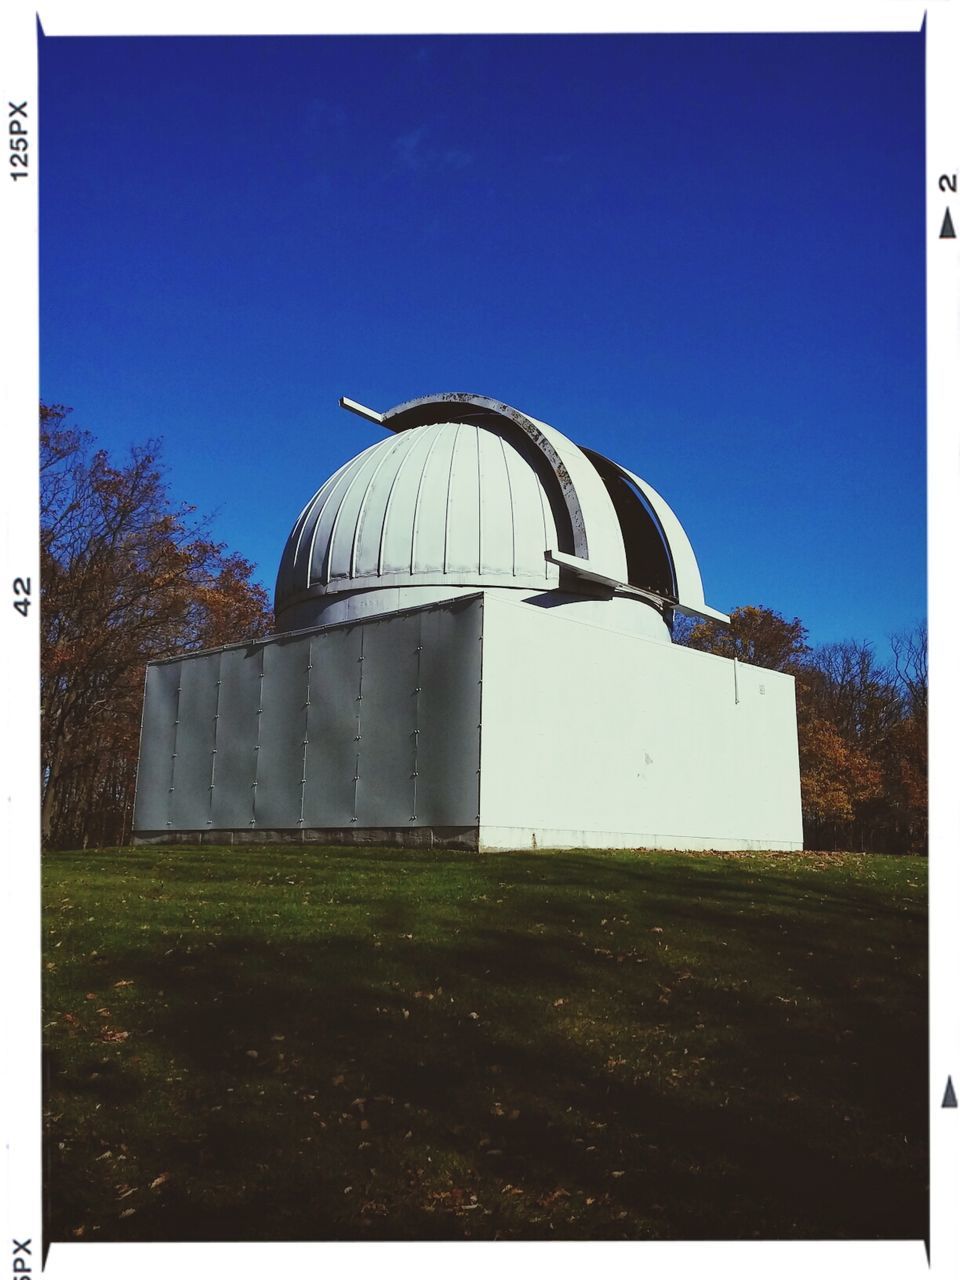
x,y
126,575
861,726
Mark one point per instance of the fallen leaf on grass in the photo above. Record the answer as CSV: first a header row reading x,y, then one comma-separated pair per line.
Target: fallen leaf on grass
x,y
127,1213
159,1180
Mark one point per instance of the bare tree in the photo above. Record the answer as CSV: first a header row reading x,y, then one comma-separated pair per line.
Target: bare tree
x,y
125,576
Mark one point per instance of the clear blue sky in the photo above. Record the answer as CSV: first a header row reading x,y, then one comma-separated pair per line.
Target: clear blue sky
x,y
701,255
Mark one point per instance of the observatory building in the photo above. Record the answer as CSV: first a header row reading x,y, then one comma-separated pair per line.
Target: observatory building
x,y
473,649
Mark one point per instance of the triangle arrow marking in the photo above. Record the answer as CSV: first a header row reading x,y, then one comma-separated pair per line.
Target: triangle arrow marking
x,y
946,231
949,1096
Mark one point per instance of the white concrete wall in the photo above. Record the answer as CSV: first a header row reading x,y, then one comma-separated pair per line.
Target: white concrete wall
x,y
591,738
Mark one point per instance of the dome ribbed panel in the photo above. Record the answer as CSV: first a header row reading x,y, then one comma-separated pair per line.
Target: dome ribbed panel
x,y
450,502
294,574
429,533
461,552
338,560
380,485
396,550
497,531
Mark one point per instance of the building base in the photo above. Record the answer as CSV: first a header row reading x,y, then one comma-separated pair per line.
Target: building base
x,y
469,839
395,837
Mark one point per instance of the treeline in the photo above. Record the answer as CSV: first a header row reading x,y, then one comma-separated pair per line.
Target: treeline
x,y
126,575
862,726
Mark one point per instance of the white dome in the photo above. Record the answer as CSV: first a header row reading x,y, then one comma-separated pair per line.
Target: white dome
x,y
472,494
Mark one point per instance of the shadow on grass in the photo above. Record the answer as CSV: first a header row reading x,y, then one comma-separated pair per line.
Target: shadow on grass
x,y
358,1083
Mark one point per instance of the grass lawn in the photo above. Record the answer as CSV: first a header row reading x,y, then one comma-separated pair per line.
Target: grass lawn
x,y
312,1044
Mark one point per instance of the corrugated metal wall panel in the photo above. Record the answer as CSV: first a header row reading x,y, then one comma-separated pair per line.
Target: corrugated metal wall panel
x,y
196,739
158,738
331,756
283,727
235,771
388,719
380,718
448,745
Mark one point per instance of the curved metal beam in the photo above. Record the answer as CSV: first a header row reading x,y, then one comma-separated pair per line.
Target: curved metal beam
x,y
416,413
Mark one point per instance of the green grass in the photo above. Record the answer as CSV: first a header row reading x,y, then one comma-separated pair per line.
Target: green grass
x,y
277,1043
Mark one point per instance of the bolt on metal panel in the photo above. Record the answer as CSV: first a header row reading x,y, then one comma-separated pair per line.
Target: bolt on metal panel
x,y
158,737
283,732
194,768
235,775
386,749
448,742
334,720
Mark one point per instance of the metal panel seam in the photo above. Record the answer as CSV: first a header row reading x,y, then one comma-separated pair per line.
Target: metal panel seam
x,y
513,523
325,574
256,749
416,718
213,749
446,520
173,757
415,529
334,483
404,462
359,734
361,513
483,619
306,730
